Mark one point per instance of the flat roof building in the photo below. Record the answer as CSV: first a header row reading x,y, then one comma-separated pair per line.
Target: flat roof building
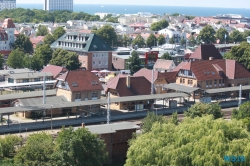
x,y
52,5
7,4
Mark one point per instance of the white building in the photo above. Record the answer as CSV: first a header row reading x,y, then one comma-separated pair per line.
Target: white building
x,y
7,4
248,39
170,32
7,36
52,5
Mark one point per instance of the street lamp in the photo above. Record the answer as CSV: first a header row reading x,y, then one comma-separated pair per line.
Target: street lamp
x,y
51,117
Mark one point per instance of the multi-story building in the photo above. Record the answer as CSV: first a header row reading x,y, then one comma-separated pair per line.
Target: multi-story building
x,y
7,36
7,4
52,5
94,54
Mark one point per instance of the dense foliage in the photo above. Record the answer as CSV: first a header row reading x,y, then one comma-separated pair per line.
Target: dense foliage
x,y
150,119
198,141
107,34
23,43
138,41
243,114
151,40
21,15
207,34
134,63
7,145
41,30
240,53
62,57
159,25
161,40
220,34
166,56
199,109
236,36
16,59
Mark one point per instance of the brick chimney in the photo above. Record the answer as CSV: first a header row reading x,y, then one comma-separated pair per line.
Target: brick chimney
x,y
128,81
83,125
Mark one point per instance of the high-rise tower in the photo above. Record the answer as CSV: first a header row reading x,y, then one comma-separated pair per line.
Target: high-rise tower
x,y
52,5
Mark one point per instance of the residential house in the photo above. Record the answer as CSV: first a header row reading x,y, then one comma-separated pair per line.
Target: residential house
x,y
94,54
163,65
248,39
37,41
159,79
125,85
212,74
55,70
205,52
173,33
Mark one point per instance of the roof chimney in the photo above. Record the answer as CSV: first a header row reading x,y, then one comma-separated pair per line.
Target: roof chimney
x,y
211,58
83,125
128,81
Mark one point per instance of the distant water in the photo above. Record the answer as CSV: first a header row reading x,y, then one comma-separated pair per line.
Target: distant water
x,y
126,9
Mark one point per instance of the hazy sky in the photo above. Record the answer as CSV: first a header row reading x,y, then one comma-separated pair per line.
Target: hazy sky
x,y
203,3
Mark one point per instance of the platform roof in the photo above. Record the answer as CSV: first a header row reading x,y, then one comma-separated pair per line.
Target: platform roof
x,y
91,102
181,88
227,89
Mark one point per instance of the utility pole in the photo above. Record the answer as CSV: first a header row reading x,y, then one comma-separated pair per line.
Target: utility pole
x,y
44,90
240,93
108,109
152,86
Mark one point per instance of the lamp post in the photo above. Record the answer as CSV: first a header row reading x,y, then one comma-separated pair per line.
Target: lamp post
x,y
19,128
51,117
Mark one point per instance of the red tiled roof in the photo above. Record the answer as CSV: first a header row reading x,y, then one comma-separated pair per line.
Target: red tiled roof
x,y
147,74
177,68
169,76
83,79
8,23
4,52
55,70
208,69
204,51
138,86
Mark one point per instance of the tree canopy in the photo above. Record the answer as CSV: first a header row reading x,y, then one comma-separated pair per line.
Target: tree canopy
x,y
236,36
139,41
107,34
220,34
207,34
21,15
161,40
42,30
49,39
15,59
126,40
151,40
198,141
166,56
58,32
159,25
199,109
7,145
240,53
150,119
23,43
44,53
1,61
133,62
62,57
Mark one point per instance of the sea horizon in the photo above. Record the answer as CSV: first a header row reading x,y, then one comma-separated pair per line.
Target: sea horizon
x,y
132,9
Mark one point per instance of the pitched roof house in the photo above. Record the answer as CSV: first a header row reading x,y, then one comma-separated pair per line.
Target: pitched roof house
x,y
163,65
55,70
79,85
204,52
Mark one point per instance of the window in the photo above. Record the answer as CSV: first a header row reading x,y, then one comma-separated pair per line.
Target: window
x,y
100,62
78,96
94,94
211,83
10,80
37,79
183,81
25,80
93,62
215,82
207,82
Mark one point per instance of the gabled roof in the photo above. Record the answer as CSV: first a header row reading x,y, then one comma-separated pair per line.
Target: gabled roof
x,y
147,74
204,51
8,23
55,70
81,80
93,42
139,85
163,64
169,76
217,69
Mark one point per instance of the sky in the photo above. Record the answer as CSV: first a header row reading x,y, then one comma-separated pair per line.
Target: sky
x,y
194,3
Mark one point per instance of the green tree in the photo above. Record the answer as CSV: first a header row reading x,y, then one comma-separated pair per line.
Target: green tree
x,y
220,34
171,40
166,56
33,62
151,40
150,119
192,41
107,34
174,118
198,141
207,34
44,53
236,36
161,40
240,53
23,43
62,57
243,112
246,34
139,41
15,59
49,39
79,147
58,33
199,109
41,30
126,40
183,41
1,61
175,14
7,145
133,62
38,150
159,25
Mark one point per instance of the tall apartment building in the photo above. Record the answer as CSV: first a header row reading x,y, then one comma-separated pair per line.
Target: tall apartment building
x,y
7,4
52,5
